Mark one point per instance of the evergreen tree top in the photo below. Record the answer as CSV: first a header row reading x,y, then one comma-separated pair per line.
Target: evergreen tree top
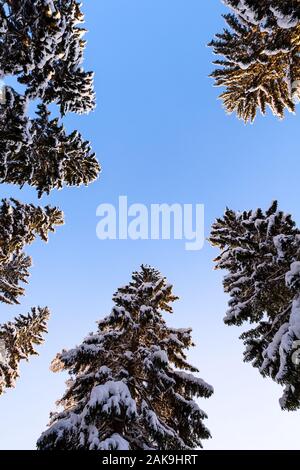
x,y
131,386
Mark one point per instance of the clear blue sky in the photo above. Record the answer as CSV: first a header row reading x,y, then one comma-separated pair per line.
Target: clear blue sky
x,y
161,136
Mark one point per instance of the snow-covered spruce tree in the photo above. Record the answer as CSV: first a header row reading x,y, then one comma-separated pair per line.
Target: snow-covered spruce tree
x,y
129,388
261,252
38,151
20,224
261,65
42,44
17,342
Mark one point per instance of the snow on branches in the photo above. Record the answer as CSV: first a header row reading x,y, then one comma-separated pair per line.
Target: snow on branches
x,y
20,224
129,388
38,152
261,65
41,44
17,342
261,253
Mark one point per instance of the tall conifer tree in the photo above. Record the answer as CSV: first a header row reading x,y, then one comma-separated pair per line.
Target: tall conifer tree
x,y
261,253
42,46
131,386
